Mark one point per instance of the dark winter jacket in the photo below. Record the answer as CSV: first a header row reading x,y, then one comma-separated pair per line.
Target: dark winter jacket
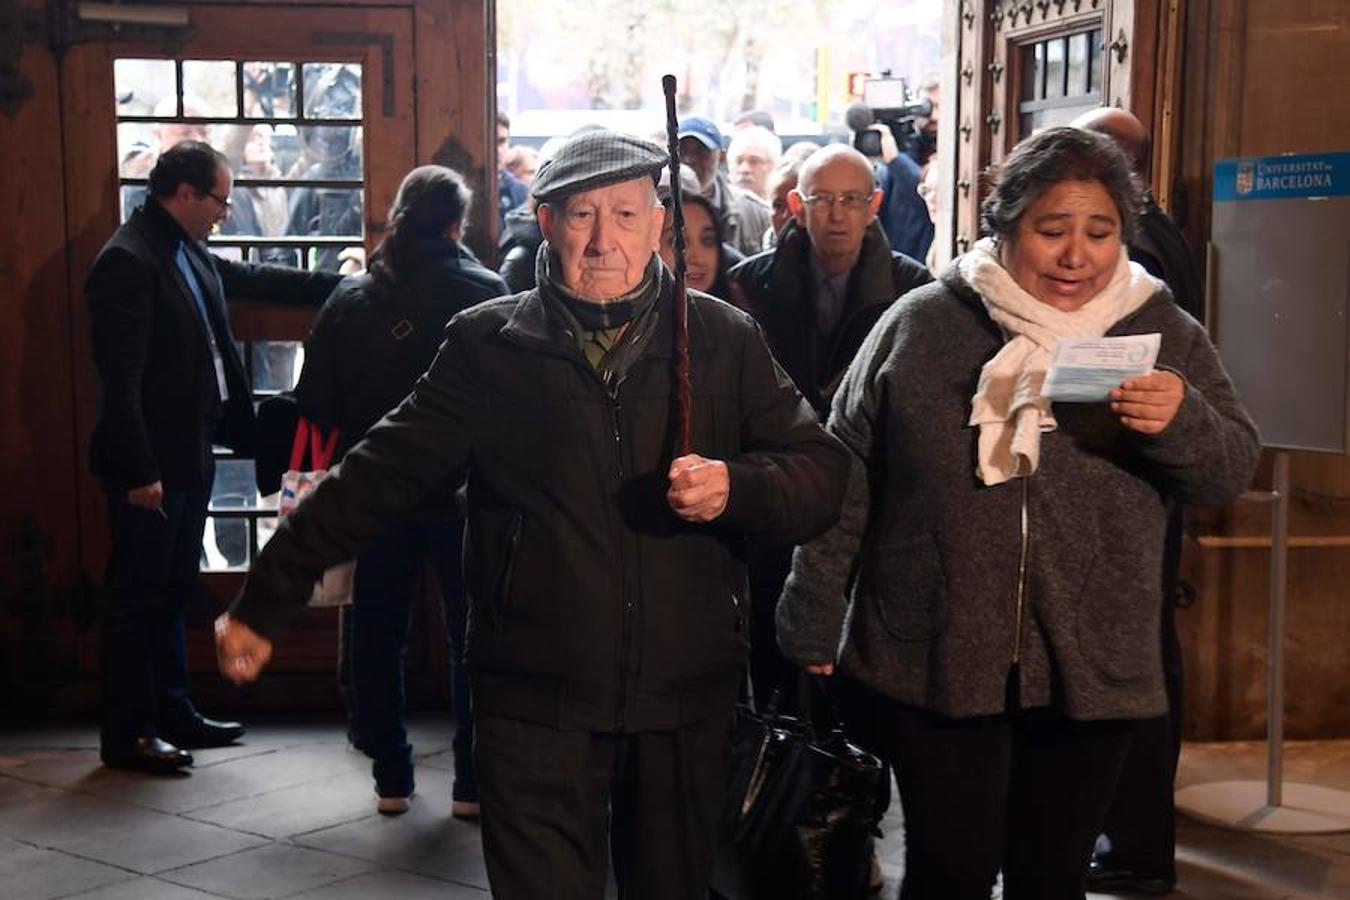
x,y
520,242
924,564
591,605
159,403
373,339
777,287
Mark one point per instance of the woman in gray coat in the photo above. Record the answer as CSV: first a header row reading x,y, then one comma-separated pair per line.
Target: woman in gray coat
x,y
993,588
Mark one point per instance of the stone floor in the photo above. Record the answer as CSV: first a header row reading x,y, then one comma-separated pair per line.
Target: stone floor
x,y
290,813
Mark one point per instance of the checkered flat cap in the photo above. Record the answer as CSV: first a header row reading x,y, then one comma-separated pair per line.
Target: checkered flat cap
x,y
594,159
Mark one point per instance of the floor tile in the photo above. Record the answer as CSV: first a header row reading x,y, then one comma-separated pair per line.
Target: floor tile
x,y
426,840
389,885
116,833
298,809
31,873
144,889
275,870
228,781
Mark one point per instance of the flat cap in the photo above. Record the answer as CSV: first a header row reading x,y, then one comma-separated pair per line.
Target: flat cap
x,y
594,159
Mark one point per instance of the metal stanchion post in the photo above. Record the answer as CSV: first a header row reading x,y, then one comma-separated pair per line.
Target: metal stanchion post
x,y
1272,806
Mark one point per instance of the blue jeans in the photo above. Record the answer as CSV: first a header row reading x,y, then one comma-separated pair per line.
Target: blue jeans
x,y
151,575
386,584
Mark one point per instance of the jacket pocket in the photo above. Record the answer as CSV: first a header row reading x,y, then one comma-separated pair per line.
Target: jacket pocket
x,y
501,594
909,584
1118,622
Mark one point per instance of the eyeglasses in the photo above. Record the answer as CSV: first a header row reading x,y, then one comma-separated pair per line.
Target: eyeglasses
x,y
850,200
225,202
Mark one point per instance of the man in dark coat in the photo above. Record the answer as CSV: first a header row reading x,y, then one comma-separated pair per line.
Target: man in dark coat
x,y
171,385
1140,825
816,295
607,635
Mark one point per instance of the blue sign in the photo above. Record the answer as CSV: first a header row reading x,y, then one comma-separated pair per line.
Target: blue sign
x,y
1295,176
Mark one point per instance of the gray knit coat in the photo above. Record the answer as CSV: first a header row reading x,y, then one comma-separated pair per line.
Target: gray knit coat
x,y
930,587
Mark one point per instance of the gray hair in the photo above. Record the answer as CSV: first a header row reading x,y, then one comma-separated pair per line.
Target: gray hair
x,y
1053,156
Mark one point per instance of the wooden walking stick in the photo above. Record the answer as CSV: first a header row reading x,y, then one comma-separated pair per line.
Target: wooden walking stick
x,y
682,410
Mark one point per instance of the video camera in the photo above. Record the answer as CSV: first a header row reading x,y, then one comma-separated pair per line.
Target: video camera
x,y
886,100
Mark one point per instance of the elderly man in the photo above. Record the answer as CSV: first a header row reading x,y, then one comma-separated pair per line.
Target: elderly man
x,y
751,156
816,295
607,631
743,215
171,384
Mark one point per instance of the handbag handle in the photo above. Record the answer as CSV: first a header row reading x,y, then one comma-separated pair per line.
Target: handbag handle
x,y
815,701
320,451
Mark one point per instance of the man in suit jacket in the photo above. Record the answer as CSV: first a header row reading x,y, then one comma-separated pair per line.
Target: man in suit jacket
x,y
1139,855
172,384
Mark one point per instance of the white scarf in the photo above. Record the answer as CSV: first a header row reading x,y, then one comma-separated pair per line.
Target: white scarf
x,y
1008,407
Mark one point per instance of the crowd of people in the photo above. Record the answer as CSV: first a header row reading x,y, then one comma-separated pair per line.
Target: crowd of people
x,y
874,491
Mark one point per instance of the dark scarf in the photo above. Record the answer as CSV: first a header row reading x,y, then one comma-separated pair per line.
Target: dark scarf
x,y
610,335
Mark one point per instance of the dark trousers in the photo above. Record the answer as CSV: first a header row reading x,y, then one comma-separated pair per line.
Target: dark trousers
x,y
388,580
1141,822
151,575
1023,792
768,567
549,798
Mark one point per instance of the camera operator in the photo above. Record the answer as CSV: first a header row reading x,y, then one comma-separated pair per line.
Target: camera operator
x,y
884,127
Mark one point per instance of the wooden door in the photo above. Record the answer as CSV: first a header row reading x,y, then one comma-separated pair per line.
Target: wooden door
x,y
313,105
1022,65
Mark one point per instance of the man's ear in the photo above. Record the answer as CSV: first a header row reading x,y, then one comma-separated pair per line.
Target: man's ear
x,y
874,204
546,220
795,204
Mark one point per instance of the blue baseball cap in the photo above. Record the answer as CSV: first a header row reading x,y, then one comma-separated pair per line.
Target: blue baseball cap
x,y
704,130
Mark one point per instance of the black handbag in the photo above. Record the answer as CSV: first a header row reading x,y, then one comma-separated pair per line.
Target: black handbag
x,y
801,805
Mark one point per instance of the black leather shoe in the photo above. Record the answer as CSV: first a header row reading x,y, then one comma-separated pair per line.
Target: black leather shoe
x,y
147,754
200,731
1107,879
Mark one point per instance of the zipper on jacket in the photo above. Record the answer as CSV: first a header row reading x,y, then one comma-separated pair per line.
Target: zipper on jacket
x,y
1022,576
626,613
508,570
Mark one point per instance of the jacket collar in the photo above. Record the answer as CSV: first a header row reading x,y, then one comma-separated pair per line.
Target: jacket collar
x,y
154,221
534,324
871,280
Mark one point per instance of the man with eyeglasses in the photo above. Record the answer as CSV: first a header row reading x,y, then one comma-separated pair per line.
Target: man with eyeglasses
x,y
816,295
171,385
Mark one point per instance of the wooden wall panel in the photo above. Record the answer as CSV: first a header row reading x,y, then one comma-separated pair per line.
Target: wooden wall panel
x,y
1264,78
39,456
457,104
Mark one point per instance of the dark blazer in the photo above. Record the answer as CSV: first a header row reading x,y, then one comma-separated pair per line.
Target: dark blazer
x,y
159,406
591,605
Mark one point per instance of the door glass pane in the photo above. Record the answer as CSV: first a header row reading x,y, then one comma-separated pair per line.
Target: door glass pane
x,y
1078,64
1094,61
327,151
209,89
332,90
141,84
224,544
276,364
269,90
1054,68
266,528
1033,71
